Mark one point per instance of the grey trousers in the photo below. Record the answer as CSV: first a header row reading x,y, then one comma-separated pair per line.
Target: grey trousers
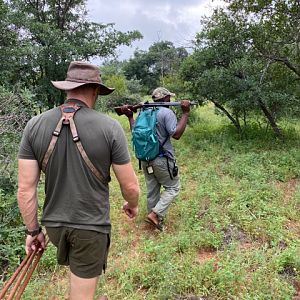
x,y
159,201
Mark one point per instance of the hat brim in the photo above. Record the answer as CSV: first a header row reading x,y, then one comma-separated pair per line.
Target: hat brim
x,y
70,85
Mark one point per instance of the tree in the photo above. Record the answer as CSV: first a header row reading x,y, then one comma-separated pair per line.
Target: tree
x,y
153,66
275,29
140,68
229,71
275,35
126,91
54,32
9,50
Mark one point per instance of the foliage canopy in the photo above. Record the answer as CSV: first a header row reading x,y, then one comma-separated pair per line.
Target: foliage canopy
x,y
245,67
50,34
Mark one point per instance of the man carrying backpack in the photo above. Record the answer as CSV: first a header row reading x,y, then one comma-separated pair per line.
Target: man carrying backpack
x,y
75,146
162,170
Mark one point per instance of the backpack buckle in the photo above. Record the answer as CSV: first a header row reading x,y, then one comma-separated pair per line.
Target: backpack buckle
x,y
76,139
56,133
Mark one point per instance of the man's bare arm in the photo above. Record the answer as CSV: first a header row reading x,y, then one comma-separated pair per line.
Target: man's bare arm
x,y
29,174
185,106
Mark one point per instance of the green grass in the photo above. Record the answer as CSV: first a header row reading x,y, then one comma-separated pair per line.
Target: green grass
x,y
233,232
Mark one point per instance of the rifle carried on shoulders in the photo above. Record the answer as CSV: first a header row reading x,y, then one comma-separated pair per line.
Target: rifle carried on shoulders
x,y
134,108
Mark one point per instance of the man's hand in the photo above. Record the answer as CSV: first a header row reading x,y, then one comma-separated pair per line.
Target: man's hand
x,y
131,212
185,106
127,111
35,242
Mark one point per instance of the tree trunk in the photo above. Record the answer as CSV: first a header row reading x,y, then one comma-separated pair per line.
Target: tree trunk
x,y
234,121
271,120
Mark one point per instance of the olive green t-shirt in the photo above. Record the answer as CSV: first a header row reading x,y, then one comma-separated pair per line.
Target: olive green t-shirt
x,y
75,197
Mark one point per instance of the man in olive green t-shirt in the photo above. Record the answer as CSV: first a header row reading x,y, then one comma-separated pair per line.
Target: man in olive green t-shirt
x,y
76,207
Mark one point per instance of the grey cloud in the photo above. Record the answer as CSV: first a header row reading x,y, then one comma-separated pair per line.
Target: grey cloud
x,y
173,20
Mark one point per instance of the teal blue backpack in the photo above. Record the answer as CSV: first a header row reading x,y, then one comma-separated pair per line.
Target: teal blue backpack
x,y
144,137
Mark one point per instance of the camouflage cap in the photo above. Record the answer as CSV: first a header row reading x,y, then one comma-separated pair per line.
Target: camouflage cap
x,y
160,93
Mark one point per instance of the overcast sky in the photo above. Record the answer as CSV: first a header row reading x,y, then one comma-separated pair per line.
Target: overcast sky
x,y
157,20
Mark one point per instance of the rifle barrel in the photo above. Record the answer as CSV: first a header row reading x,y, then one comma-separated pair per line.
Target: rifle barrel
x,y
134,108
153,104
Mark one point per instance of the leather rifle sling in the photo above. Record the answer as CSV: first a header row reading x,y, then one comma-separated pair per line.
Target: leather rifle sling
x,y
68,111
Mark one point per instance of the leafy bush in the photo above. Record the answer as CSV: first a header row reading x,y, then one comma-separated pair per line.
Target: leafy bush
x,y
16,110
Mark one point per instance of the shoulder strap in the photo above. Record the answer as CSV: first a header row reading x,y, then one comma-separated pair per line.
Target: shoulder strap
x,y
161,145
68,111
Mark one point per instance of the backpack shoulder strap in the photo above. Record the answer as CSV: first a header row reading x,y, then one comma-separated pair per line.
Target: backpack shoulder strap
x,y
68,111
83,153
55,135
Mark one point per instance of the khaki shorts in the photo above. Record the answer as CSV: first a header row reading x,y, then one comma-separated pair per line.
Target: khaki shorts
x,y
85,251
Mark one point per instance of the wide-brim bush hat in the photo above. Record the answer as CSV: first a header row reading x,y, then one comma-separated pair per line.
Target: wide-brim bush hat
x,y
81,73
160,93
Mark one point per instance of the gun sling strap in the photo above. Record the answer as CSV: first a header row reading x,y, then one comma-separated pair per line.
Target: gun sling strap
x,y
68,111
